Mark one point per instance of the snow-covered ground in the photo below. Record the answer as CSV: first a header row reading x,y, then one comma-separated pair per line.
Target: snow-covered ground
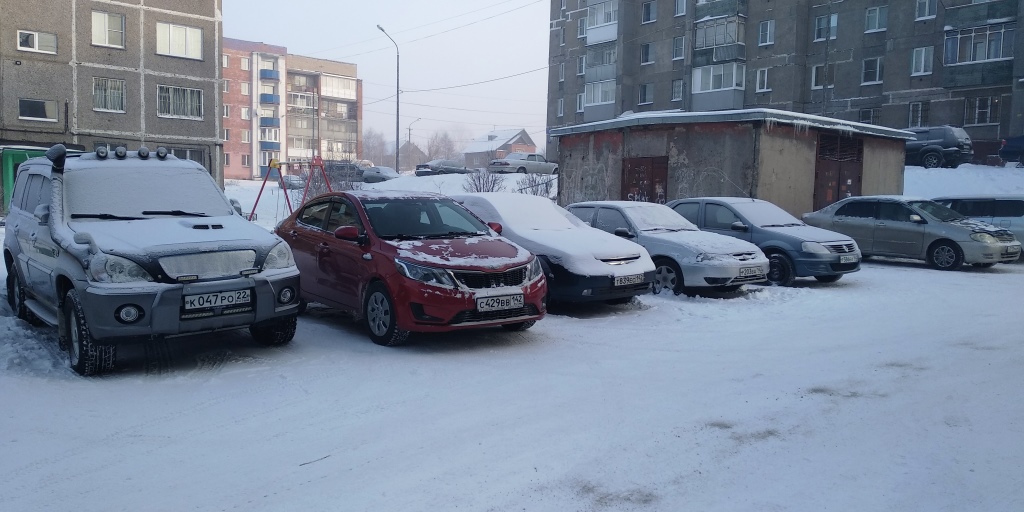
x,y
895,389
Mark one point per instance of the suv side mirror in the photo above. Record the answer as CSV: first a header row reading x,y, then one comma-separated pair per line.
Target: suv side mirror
x,y
237,206
739,226
623,232
42,212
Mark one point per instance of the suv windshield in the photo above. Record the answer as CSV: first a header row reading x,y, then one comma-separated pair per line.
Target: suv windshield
x,y
106,193
766,215
653,216
936,210
421,218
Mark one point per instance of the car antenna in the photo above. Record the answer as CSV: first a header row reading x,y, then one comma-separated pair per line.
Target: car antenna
x,y
725,178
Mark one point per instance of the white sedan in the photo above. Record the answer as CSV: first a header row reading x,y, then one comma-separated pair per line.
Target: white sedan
x,y
523,163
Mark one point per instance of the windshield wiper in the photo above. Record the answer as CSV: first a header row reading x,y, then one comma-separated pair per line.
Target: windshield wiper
x,y
176,213
662,228
454,234
102,216
402,236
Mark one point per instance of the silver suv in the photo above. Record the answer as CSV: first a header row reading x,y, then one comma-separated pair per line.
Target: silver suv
x,y
130,246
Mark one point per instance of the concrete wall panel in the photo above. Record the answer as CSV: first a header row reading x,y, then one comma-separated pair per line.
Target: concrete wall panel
x,y
786,172
883,166
713,159
590,167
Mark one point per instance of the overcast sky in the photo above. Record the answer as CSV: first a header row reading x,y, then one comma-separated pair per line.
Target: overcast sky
x,y
443,43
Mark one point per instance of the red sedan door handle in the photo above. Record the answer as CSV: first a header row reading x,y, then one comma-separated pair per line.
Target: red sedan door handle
x,y
293,233
324,247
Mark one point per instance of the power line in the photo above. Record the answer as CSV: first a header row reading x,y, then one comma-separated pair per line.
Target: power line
x,y
452,120
481,82
453,108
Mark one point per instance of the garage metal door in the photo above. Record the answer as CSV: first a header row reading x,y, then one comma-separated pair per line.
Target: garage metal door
x,y
838,170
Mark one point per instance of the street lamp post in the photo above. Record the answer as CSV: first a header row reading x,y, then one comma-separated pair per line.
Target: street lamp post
x,y
410,129
398,92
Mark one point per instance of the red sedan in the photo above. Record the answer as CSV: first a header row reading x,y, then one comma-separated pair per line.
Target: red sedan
x,y
412,262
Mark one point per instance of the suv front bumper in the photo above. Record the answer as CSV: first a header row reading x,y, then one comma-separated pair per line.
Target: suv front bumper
x,y
164,312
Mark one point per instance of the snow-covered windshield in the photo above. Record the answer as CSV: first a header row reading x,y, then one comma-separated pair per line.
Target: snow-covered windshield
x,y
525,212
936,210
132,192
766,215
653,216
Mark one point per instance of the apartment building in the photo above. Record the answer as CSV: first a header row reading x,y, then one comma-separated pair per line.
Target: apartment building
x,y
252,112
894,64
324,109
95,73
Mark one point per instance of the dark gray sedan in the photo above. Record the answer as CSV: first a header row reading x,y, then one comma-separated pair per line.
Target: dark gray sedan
x,y
921,229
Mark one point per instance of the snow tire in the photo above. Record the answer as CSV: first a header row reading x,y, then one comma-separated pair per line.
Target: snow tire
x,y
86,357
274,333
379,315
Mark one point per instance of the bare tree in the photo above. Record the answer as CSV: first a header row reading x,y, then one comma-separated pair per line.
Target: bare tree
x,y
538,184
484,181
375,147
441,145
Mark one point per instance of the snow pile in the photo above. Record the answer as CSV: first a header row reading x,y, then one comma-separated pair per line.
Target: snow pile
x,y
966,179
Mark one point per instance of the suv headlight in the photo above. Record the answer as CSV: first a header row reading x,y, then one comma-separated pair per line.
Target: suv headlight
x,y
280,257
984,238
107,268
428,275
814,247
534,270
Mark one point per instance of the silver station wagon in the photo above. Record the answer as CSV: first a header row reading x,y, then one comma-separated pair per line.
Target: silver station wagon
x,y
921,229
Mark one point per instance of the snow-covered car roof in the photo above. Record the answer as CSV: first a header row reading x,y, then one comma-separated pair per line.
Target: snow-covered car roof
x,y
394,194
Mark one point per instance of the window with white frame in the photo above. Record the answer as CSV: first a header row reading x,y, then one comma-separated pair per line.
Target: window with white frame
x,y
871,71
581,64
922,61
580,101
678,86
989,42
870,115
108,94
925,9
603,13
227,134
267,156
918,114
246,160
718,32
299,99
179,41
41,42
227,159
179,102
678,47
648,11
680,7
225,86
270,134
983,110
561,107
37,110
246,88
821,75
600,93
272,112
766,33
602,55
646,55
224,60
646,95
244,63
268,88
107,29
227,111
876,18
719,77
246,113
246,136
581,28
561,71
826,26
762,80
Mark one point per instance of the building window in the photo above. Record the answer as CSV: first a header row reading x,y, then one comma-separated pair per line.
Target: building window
x,y
820,76
108,94
600,93
561,107
876,18
227,110
646,94
648,12
581,64
719,77
267,156
270,134
925,9
179,102
246,136
246,160
601,55
246,88
225,86
677,90
678,48
826,26
871,71
107,29
561,36
762,80
37,110
580,102
918,114
227,159
244,63
227,134
646,56
922,62
983,110
179,41
37,42
224,60
561,71
766,33
246,114
718,32
581,27
680,7
603,13
869,115
978,44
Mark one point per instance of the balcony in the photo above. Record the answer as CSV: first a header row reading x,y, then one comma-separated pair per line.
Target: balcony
x,y
976,15
270,122
977,74
270,74
270,146
270,99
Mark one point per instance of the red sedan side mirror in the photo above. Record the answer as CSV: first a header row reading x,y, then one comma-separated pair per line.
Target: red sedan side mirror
x,y
495,226
349,233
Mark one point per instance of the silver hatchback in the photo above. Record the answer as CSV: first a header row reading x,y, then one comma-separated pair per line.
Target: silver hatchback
x,y
916,228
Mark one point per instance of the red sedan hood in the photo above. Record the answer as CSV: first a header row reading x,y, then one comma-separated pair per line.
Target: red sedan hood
x,y
475,253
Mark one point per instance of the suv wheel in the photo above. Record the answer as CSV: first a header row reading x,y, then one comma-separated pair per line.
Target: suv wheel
x,y
946,256
87,358
379,313
931,160
277,332
16,298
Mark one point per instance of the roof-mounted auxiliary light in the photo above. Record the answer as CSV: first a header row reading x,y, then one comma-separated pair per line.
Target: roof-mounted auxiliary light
x,y
121,152
161,152
143,152
101,152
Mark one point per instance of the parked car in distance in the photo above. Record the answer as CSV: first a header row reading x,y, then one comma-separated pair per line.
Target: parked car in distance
x,y
292,181
523,163
339,172
1012,149
1001,211
685,258
793,248
412,262
435,167
908,227
582,264
378,174
168,257
939,146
